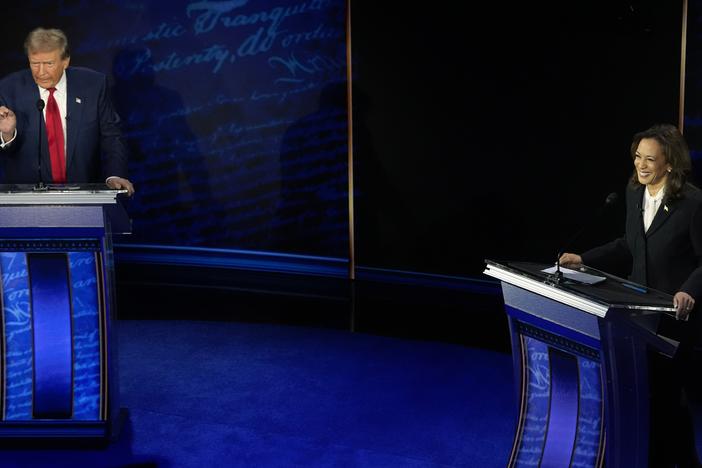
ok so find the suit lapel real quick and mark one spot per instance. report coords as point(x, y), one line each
point(662, 215)
point(74, 111)
point(637, 207)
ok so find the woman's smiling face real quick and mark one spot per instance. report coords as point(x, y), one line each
point(651, 165)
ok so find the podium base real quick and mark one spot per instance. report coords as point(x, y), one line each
point(62, 434)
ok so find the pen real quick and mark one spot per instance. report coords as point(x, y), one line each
point(634, 287)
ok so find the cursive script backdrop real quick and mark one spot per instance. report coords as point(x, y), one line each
point(234, 111)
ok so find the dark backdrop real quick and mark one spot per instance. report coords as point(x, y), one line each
point(693, 86)
point(497, 130)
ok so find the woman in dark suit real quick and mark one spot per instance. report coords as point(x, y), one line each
point(662, 246)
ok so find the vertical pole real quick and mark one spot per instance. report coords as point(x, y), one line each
point(349, 103)
point(683, 54)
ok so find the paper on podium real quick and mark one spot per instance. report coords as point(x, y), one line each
point(578, 276)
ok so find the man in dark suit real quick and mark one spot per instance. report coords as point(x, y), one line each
point(81, 140)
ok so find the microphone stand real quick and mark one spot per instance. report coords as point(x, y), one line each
point(40, 185)
point(558, 274)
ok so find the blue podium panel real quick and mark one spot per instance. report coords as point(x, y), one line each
point(51, 306)
point(561, 418)
point(52, 344)
point(17, 363)
point(85, 286)
point(589, 442)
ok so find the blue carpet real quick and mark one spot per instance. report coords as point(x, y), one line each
point(232, 394)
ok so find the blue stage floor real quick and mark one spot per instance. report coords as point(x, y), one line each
point(256, 395)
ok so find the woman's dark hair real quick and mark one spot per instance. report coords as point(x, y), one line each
point(676, 152)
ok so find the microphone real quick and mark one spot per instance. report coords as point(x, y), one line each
point(40, 184)
point(610, 200)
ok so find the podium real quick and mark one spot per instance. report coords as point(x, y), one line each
point(58, 367)
point(580, 354)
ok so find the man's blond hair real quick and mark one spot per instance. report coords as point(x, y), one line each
point(47, 40)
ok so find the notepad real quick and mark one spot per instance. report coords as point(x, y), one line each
point(578, 276)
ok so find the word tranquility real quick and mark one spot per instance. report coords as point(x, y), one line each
point(210, 14)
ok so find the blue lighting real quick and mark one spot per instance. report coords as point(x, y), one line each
point(51, 317)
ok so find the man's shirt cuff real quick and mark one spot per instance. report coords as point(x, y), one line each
point(4, 143)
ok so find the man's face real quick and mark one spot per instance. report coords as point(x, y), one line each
point(47, 67)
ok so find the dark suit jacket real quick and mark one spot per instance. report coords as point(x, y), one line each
point(668, 256)
point(95, 148)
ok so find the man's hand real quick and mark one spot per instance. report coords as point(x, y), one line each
point(8, 123)
point(683, 304)
point(119, 183)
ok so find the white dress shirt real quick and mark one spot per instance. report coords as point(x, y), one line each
point(651, 206)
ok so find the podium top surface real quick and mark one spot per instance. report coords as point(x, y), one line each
point(59, 194)
point(614, 292)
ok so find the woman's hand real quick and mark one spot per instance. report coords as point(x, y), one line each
point(570, 260)
point(683, 304)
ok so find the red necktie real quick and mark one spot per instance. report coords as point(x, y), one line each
point(54, 133)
